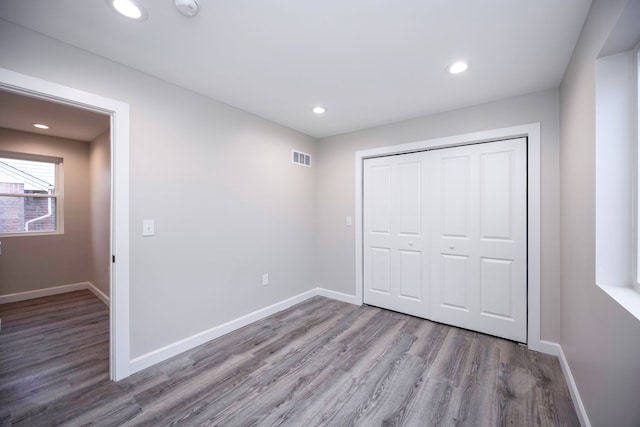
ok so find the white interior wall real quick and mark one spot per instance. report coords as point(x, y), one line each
point(335, 268)
point(600, 339)
point(228, 204)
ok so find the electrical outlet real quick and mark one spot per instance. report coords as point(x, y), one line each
point(265, 279)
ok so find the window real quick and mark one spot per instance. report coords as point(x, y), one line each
point(30, 196)
point(617, 164)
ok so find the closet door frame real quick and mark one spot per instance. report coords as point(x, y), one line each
point(532, 133)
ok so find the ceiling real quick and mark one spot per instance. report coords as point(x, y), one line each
point(20, 112)
point(369, 62)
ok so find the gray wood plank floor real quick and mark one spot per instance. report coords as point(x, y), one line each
point(319, 363)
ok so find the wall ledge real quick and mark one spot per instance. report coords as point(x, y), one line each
point(626, 297)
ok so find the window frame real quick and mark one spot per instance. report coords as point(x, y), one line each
point(58, 193)
point(617, 173)
point(636, 193)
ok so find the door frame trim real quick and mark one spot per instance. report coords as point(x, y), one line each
point(119, 113)
point(530, 131)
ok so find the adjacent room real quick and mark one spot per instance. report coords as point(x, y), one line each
point(337, 213)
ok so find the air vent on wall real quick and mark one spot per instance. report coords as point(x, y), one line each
point(300, 158)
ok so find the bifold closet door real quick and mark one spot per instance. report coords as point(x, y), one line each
point(478, 231)
point(395, 234)
point(445, 236)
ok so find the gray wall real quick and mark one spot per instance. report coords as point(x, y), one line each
point(336, 187)
point(228, 203)
point(100, 237)
point(30, 263)
point(600, 339)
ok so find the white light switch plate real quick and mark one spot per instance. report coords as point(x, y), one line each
point(349, 221)
point(148, 227)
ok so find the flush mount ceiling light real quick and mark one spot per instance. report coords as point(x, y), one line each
point(40, 126)
point(188, 8)
point(458, 67)
point(129, 8)
point(319, 109)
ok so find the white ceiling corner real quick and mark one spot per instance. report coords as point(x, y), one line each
point(371, 62)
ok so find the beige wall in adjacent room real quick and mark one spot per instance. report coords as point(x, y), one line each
point(336, 186)
point(100, 238)
point(600, 339)
point(30, 263)
point(228, 204)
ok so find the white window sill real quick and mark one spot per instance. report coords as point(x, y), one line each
point(31, 234)
point(627, 297)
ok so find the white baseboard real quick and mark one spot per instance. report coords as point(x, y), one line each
point(188, 343)
point(98, 293)
point(573, 389)
point(164, 353)
point(555, 349)
point(39, 293)
point(548, 347)
point(351, 299)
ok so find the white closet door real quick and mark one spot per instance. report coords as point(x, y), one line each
point(396, 233)
point(478, 247)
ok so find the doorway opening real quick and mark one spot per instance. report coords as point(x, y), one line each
point(118, 144)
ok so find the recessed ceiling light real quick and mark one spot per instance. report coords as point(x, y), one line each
point(458, 67)
point(40, 126)
point(129, 8)
point(319, 110)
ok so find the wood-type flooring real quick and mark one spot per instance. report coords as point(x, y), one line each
point(319, 363)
